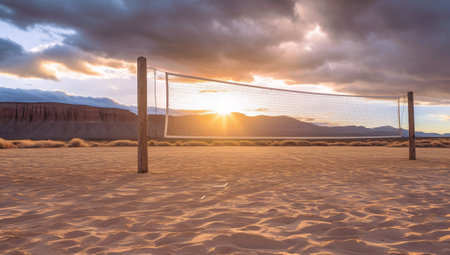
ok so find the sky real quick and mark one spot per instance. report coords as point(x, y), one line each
point(373, 47)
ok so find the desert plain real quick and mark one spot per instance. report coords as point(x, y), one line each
point(225, 200)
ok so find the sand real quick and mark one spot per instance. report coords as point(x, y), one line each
point(225, 200)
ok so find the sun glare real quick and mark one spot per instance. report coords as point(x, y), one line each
point(226, 105)
point(223, 111)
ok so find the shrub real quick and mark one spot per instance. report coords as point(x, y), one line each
point(359, 143)
point(339, 144)
point(246, 143)
point(397, 144)
point(230, 143)
point(5, 144)
point(320, 143)
point(162, 143)
point(217, 143)
point(288, 143)
point(261, 143)
point(122, 143)
point(378, 143)
point(77, 142)
point(49, 144)
point(303, 143)
point(195, 143)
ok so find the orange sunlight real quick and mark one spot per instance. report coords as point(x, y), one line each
point(226, 105)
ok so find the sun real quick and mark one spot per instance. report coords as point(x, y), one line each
point(225, 106)
point(223, 110)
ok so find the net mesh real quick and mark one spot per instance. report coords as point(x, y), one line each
point(203, 108)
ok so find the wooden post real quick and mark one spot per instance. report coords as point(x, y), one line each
point(142, 115)
point(412, 131)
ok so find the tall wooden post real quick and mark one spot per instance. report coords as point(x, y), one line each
point(412, 131)
point(142, 114)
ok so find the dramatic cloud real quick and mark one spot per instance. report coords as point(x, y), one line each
point(15, 60)
point(364, 47)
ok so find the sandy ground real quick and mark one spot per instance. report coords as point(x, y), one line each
point(225, 200)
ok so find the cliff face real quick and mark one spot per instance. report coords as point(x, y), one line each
point(29, 112)
point(64, 121)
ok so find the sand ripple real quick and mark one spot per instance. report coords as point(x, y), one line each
point(225, 200)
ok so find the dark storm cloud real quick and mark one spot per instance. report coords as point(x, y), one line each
point(367, 47)
point(400, 45)
point(14, 59)
point(206, 36)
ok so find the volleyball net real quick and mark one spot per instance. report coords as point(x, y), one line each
point(200, 108)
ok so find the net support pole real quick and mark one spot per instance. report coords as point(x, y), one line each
point(412, 132)
point(142, 114)
point(166, 121)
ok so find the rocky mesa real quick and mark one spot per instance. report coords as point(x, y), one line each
point(64, 121)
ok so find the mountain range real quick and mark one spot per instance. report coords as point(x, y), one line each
point(37, 114)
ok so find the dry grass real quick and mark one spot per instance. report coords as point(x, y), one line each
point(339, 144)
point(286, 143)
point(246, 143)
point(48, 144)
point(378, 143)
point(194, 143)
point(122, 143)
point(398, 144)
point(439, 144)
point(230, 143)
point(5, 144)
point(446, 142)
point(261, 143)
point(160, 143)
point(216, 143)
point(99, 144)
point(359, 143)
point(320, 143)
point(77, 142)
point(303, 143)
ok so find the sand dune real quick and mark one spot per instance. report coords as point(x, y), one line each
point(225, 200)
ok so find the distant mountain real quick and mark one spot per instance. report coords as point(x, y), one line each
point(405, 132)
point(42, 96)
point(240, 125)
